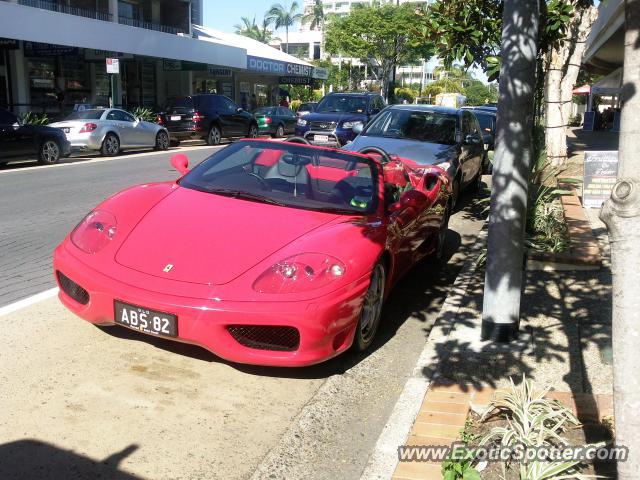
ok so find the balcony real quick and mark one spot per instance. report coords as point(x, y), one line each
point(149, 26)
point(171, 12)
point(61, 8)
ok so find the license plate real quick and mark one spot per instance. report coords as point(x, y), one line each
point(176, 117)
point(321, 138)
point(146, 320)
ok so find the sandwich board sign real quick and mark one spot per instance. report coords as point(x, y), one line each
point(113, 65)
point(600, 174)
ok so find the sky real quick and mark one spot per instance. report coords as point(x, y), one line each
point(224, 14)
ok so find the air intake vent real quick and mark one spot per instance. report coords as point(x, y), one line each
point(262, 337)
point(72, 289)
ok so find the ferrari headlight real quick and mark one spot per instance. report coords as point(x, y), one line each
point(95, 231)
point(351, 124)
point(300, 273)
point(302, 122)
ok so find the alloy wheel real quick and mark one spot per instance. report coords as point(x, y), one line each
point(50, 152)
point(280, 131)
point(372, 308)
point(214, 136)
point(253, 131)
point(112, 144)
point(162, 141)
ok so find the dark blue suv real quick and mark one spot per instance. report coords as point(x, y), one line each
point(332, 122)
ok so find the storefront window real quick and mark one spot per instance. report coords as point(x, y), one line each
point(262, 94)
point(42, 86)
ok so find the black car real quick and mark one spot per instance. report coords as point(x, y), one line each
point(209, 117)
point(428, 135)
point(487, 121)
point(332, 122)
point(19, 141)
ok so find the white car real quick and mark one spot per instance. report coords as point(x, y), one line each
point(111, 130)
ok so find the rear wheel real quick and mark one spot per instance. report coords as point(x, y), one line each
point(253, 131)
point(110, 145)
point(49, 152)
point(214, 136)
point(441, 241)
point(162, 141)
point(371, 309)
point(279, 131)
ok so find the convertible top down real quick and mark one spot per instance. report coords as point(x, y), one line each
point(271, 253)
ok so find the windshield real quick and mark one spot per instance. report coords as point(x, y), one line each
point(306, 107)
point(343, 103)
point(424, 126)
point(86, 115)
point(295, 176)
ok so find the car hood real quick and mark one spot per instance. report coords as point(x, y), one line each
point(422, 153)
point(335, 117)
point(211, 239)
point(41, 129)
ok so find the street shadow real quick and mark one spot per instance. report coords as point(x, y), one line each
point(35, 460)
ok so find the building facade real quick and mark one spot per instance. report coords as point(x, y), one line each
point(53, 55)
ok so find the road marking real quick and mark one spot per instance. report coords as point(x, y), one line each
point(107, 159)
point(25, 302)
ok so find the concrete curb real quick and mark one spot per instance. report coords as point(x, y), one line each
point(384, 459)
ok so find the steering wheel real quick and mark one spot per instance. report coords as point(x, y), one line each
point(301, 140)
point(265, 185)
point(385, 156)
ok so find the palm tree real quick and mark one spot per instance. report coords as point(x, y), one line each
point(249, 28)
point(284, 17)
point(316, 17)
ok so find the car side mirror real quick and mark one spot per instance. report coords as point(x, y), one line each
point(357, 128)
point(180, 162)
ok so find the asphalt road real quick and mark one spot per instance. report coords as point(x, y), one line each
point(40, 205)
point(84, 402)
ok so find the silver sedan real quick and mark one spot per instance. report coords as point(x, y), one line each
point(111, 130)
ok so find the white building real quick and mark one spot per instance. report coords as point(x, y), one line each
point(53, 55)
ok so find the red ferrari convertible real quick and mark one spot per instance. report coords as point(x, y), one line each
point(265, 253)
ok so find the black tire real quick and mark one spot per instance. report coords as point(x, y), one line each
point(174, 142)
point(110, 145)
point(253, 131)
point(441, 240)
point(455, 192)
point(486, 164)
point(479, 185)
point(214, 136)
point(371, 312)
point(50, 152)
point(162, 140)
point(279, 131)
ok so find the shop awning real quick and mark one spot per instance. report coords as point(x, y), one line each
point(583, 90)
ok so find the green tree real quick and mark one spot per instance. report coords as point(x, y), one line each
point(284, 16)
point(249, 28)
point(316, 17)
point(478, 93)
point(379, 36)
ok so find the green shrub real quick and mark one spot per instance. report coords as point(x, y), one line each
point(144, 114)
point(31, 118)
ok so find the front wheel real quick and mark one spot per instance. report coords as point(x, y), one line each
point(279, 131)
point(371, 310)
point(162, 141)
point(110, 145)
point(49, 152)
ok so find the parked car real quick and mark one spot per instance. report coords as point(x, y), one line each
point(275, 121)
point(332, 122)
point(487, 121)
point(301, 282)
point(110, 131)
point(20, 142)
point(306, 108)
point(210, 117)
point(429, 135)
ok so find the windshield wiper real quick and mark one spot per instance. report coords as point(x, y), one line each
point(245, 195)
